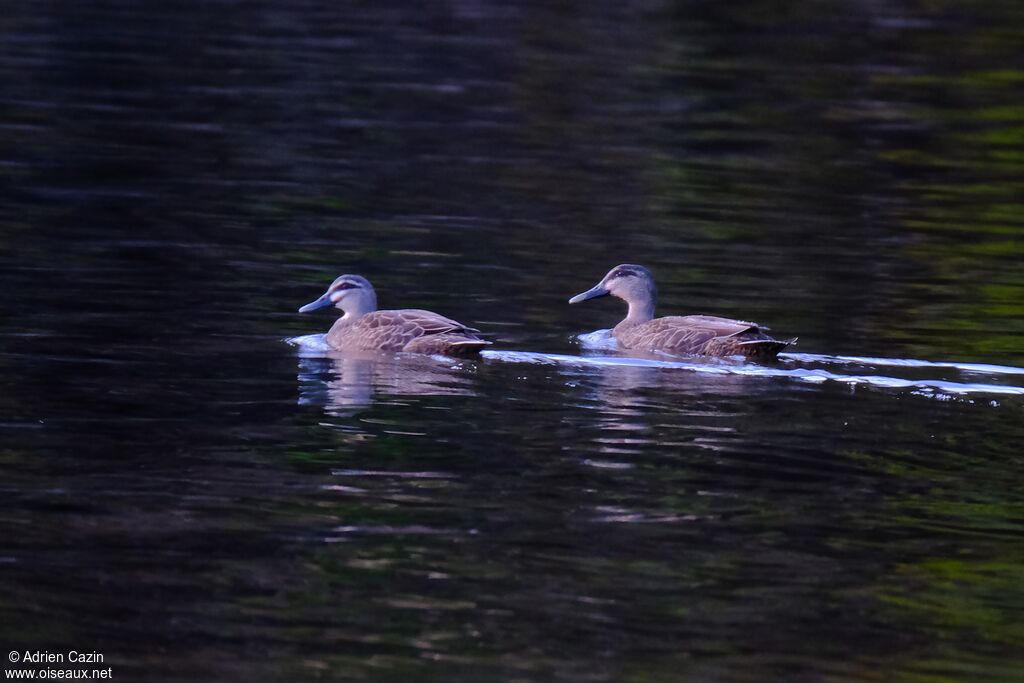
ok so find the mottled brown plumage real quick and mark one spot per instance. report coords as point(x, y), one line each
point(363, 328)
point(692, 334)
point(698, 334)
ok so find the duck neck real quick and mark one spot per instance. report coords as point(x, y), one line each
point(640, 311)
point(357, 307)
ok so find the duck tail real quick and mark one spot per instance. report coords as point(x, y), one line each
point(451, 344)
point(764, 348)
point(466, 347)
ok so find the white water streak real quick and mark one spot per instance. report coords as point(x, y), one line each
point(815, 376)
point(313, 345)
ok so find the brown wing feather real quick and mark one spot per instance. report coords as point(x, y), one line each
point(723, 327)
point(428, 322)
point(393, 330)
point(691, 334)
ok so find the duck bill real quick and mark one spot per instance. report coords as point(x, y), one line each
point(322, 302)
point(592, 293)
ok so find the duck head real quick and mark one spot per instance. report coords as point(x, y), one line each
point(353, 294)
point(633, 284)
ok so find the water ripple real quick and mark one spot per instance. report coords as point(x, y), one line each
point(979, 368)
point(931, 387)
point(313, 345)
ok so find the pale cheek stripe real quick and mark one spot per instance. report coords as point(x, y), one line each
point(336, 295)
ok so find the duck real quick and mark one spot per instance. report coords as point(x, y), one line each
point(702, 335)
point(364, 328)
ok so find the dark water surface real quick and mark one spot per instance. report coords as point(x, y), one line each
point(195, 498)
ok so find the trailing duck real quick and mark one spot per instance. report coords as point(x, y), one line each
point(691, 334)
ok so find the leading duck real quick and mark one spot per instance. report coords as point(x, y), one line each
point(692, 334)
point(364, 328)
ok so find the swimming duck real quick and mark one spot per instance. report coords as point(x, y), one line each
point(364, 328)
point(692, 334)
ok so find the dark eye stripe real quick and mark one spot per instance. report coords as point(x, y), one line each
point(345, 285)
point(623, 273)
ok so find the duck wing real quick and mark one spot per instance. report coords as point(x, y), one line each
point(430, 322)
point(394, 330)
point(725, 327)
point(688, 334)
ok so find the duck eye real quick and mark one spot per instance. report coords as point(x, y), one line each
point(345, 285)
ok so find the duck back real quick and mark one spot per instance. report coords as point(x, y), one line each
point(409, 329)
point(700, 334)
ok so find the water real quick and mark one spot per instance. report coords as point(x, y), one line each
point(194, 497)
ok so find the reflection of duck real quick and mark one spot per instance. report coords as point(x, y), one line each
point(364, 328)
point(694, 334)
point(346, 384)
